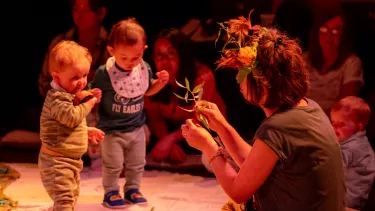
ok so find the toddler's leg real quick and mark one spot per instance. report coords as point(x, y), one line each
point(135, 159)
point(113, 161)
point(58, 176)
point(77, 177)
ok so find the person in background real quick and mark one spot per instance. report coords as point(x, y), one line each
point(172, 53)
point(335, 70)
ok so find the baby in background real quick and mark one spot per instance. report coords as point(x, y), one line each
point(124, 80)
point(63, 130)
point(349, 118)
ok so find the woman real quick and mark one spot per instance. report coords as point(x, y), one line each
point(335, 71)
point(172, 53)
point(88, 31)
point(295, 161)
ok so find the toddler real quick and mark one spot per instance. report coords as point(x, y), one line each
point(63, 130)
point(349, 118)
point(124, 80)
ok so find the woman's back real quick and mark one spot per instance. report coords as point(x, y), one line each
point(310, 173)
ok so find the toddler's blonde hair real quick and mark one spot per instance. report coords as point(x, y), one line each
point(65, 54)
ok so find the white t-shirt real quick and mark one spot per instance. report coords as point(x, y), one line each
point(325, 88)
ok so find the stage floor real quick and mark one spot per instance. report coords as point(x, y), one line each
point(164, 190)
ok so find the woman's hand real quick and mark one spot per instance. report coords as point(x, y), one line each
point(95, 135)
point(215, 118)
point(197, 136)
point(162, 148)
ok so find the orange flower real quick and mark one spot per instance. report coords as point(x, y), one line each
point(239, 26)
point(246, 56)
point(229, 59)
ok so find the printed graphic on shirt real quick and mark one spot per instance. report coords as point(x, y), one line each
point(125, 105)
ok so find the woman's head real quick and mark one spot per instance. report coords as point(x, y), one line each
point(172, 53)
point(281, 77)
point(328, 36)
point(88, 13)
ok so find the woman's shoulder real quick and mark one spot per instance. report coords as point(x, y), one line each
point(353, 59)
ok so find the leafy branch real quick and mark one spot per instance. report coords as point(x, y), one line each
point(197, 93)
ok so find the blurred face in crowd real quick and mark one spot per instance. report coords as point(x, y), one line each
point(166, 58)
point(330, 34)
point(84, 18)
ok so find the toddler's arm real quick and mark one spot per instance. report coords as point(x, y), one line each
point(63, 110)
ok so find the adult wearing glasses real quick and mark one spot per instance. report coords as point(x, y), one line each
point(335, 71)
point(172, 52)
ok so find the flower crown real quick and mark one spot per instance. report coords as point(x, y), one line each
point(242, 39)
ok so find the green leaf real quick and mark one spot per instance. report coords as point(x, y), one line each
point(182, 98)
point(222, 25)
point(218, 37)
point(198, 88)
point(180, 85)
point(187, 84)
point(186, 109)
point(227, 42)
point(186, 96)
point(200, 94)
point(242, 73)
point(204, 121)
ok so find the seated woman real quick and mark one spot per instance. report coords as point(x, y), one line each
point(88, 31)
point(295, 162)
point(335, 71)
point(171, 52)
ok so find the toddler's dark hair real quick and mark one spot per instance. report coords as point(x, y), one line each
point(126, 32)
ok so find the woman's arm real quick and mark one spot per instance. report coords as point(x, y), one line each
point(234, 144)
point(352, 78)
point(253, 172)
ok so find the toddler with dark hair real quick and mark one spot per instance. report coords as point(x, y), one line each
point(124, 80)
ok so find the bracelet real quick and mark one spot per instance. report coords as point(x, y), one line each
point(220, 152)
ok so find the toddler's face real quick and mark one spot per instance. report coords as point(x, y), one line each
point(128, 56)
point(343, 125)
point(74, 78)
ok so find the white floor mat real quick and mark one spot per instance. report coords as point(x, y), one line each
point(165, 191)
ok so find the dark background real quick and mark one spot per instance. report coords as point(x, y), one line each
point(48, 18)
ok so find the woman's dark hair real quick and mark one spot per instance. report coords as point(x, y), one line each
point(282, 70)
point(95, 5)
point(187, 67)
point(324, 13)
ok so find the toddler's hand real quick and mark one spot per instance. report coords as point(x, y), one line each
point(163, 77)
point(92, 102)
point(96, 93)
point(95, 135)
